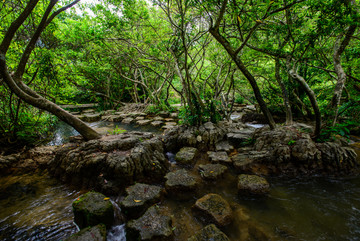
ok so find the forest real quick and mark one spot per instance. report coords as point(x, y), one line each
point(179, 120)
point(295, 59)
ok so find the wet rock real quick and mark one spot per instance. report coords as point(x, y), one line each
point(128, 120)
point(212, 171)
point(91, 117)
point(156, 123)
point(96, 233)
point(143, 122)
point(245, 161)
point(179, 183)
point(153, 225)
point(186, 155)
point(215, 209)
point(91, 209)
point(219, 156)
point(140, 197)
point(253, 184)
point(210, 232)
point(224, 146)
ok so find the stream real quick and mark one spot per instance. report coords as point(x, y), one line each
point(38, 207)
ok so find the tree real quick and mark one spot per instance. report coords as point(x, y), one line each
point(14, 80)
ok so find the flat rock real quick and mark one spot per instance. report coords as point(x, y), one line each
point(91, 209)
point(88, 111)
point(115, 118)
point(253, 184)
point(170, 123)
point(179, 180)
point(156, 123)
point(96, 233)
point(158, 118)
point(153, 225)
point(143, 122)
point(140, 197)
point(140, 118)
point(128, 120)
point(209, 233)
point(215, 209)
point(219, 156)
point(90, 117)
point(242, 161)
point(174, 115)
point(224, 146)
point(186, 155)
point(212, 171)
point(164, 114)
point(240, 137)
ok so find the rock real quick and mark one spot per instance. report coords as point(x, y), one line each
point(212, 171)
point(143, 122)
point(179, 183)
point(156, 123)
point(171, 120)
point(115, 118)
point(91, 209)
point(153, 225)
point(164, 114)
point(186, 155)
point(210, 232)
point(209, 126)
point(224, 146)
point(90, 117)
point(170, 123)
point(174, 115)
point(245, 161)
point(254, 117)
point(158, 118)
point(240, 137)
point(109, 112)
point(253, 184)
point(88, 111)
point(215, 209)
point(220, 156)
point(140, 197)
point(128, 120)
point(167, 127)
point(96, 233)
point(140, 118)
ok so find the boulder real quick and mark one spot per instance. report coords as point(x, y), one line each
point(241, 137)
point(90, 117)
point(214, 209)
point(252, 184)
point(91, 209)
point(153, 225)
point(224, 146)
point(143, 122)
point(179, 183)
point(96, 233)
point(140, 197)
point(186, 155)
point(127, 120)
point(210, 232)
point(212, 171)
point(219, 156)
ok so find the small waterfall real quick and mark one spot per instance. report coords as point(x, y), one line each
point(117, 231)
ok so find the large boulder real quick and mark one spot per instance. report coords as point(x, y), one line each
point(210, 232)
point(212, 171)
point(111, 163)
point(96, 233)
point(180, 184)
point(186, 155)
point(214, 209)
point(140, 197)
point(91, 209)
point(253, 184)
point(153, 225)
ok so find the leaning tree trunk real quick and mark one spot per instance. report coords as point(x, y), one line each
point(14, 81)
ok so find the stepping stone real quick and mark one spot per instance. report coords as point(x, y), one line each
point(224, 146)
point(91, 117)
point(89, 111)
point(156, 123)
point(115, 118)
point(143, 122)
point(153, 225)
point(210, 232)
point(214, 209)
point(158, 118)
point(212, 171)
point(246, 160)
point(91, 209)
point(174, 115)
point(109, 112)
point(186, 155)
point(253, 184)
point(140, 197)
point(140, 118)
point(169, 120)
point(171, 123)
point(96, 233)
point(166, 127)
point(240, 137)
point(127, 120)
point(220, 156)
point(179, 182)
point(164, 114)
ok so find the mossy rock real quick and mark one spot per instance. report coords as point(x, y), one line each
point(253, 184)
point(96, 233)
point(91, 209)
point(210, 232)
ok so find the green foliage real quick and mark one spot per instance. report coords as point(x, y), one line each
point(329, 133)
point(116, 131)
point(291, 142)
